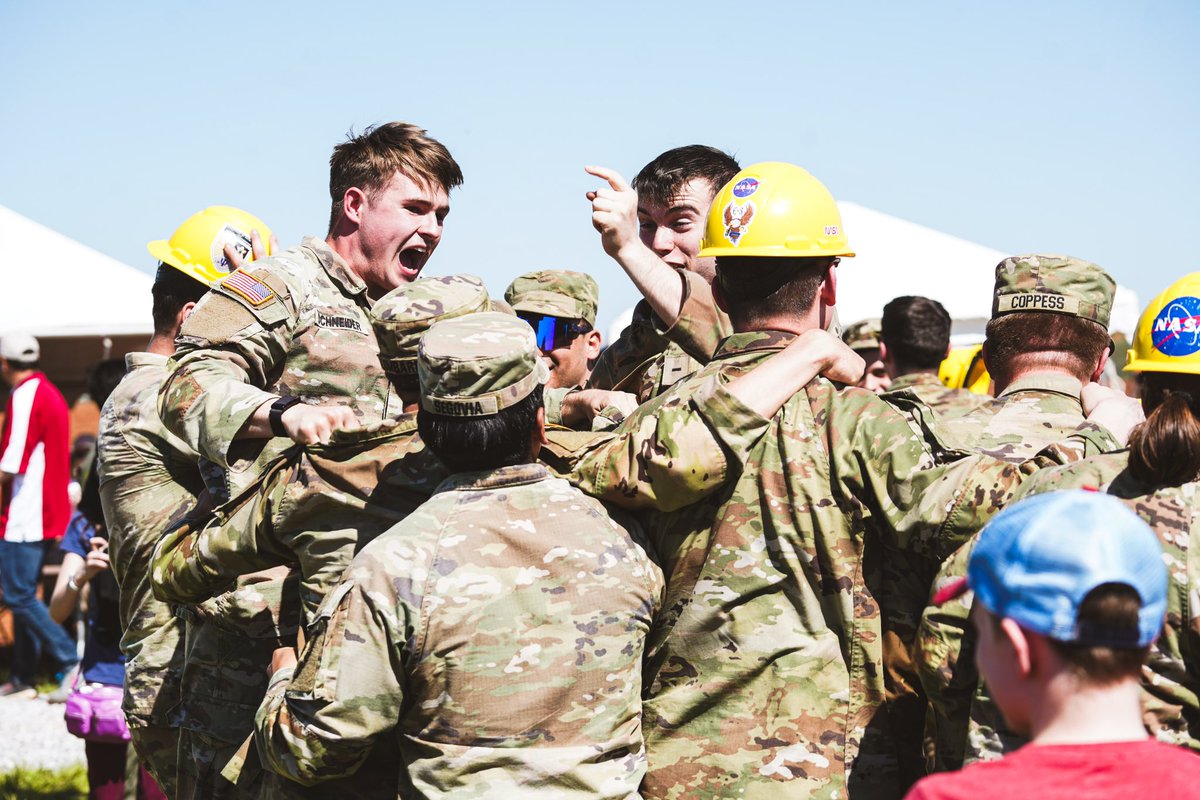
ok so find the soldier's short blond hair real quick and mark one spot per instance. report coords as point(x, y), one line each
point(369, 160)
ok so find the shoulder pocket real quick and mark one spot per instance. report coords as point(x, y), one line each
point(260, 293)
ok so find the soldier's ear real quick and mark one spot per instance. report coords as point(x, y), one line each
point(353, 202)
point(829, 286)
point(719, 296)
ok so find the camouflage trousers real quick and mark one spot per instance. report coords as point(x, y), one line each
point(157, 748)
point(201, 759)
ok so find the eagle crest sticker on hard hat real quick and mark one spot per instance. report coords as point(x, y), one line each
point(238, 241)
point(1176, 330)
point(745, 187)
point(737, 219)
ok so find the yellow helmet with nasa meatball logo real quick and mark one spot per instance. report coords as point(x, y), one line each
point(774, 209)
point(197, 247)
point(1167, 338)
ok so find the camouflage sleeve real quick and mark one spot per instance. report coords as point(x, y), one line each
point(947, 669)
point(204, 554)
point(668, 455)
point(227, 354)
point(319, 722)
point(552, 399)
point(700, 326)
point(624, 362)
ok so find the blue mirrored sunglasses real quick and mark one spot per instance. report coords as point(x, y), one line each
point(553, 332)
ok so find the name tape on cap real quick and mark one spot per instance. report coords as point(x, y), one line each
point(1037, 301)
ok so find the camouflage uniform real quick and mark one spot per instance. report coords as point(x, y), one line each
point(496, 634)
point(1171, 675)
point(1031, 412)
point(292, 324)
point(764, 673)
point(650, 356)
point(148, 476)
point(928, 391)
point(317, 506)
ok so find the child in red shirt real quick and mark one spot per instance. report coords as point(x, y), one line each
point(1070, 592)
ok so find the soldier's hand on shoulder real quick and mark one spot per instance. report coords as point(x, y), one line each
point(1113, 409)
point(307, 424)
point(835, 360)
point(581, 407)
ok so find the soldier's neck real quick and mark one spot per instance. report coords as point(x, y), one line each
point(161, 345)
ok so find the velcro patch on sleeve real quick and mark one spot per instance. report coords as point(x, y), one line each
point(248, 287)
point(258, 294)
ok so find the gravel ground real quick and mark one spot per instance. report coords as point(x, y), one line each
point(34, 735)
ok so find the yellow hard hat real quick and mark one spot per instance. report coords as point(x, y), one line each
point(963, 368)
point(1167, 338)
point(774, 209)
point(198, 245)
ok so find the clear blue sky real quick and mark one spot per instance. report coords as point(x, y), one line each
point(1025, 126)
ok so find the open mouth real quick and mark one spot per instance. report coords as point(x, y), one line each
point(412, 260)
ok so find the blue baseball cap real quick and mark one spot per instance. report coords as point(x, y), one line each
point(1036, 561)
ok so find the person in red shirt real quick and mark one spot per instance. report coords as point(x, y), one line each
point(1070, 591)
point(34, 508)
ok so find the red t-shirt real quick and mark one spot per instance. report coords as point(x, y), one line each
point(1093, 771)
point(34, 449)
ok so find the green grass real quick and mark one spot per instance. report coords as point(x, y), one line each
point(44, 784)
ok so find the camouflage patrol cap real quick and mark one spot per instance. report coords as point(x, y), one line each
point(403, 315)
point(862, 335)
point(479, 364)
point(1060, 284)
point(557, 292)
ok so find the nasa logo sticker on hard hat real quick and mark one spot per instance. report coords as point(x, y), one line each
point(238, 240)
point(1176, 330)
point(745, 187)
point(737, 220)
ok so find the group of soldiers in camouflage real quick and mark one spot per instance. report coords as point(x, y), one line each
point(381, 535)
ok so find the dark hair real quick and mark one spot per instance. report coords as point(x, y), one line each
point(757, 288)
point(1031, 339)
point(104, 377)
point(471, 444)
point(916, 331)
point(659, 181)
point(172, 290)
point(21, 366)
point(1110, 607)
point(369, 160)
point(1165, 449)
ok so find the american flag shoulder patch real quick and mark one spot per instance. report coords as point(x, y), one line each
point(252, 289)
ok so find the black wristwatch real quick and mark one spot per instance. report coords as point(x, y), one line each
point(275, 415)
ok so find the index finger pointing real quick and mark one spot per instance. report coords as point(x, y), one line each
point(611, 175)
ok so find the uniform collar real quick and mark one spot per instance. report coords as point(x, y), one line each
point(916, 379)
point(346, 278)
point(135, 360)
point(1055, 382)
point(494, 478)
point(752, 341)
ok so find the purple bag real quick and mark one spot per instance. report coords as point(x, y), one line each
point(94, 713)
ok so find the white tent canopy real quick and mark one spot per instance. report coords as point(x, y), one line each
point(896, 257)
point(54, 286)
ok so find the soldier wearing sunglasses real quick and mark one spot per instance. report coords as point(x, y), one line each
point(560, 306)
